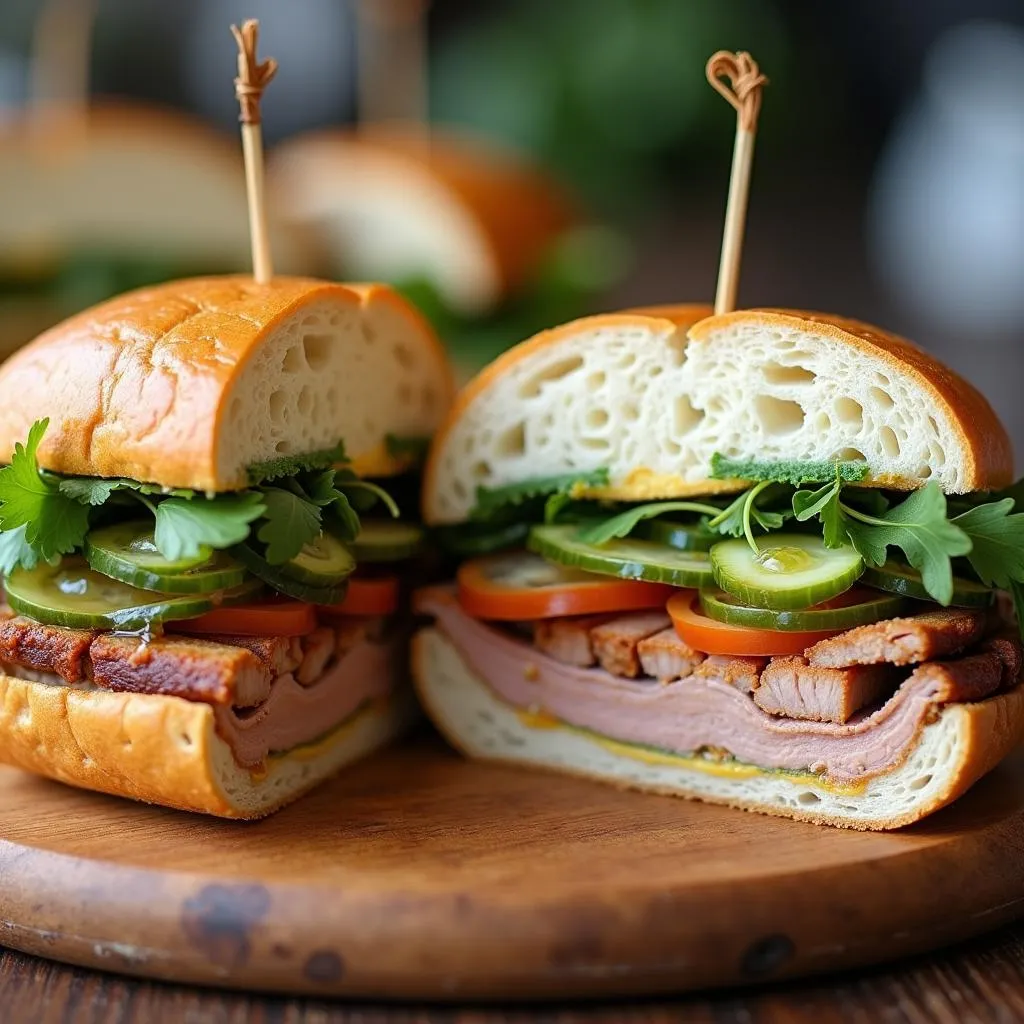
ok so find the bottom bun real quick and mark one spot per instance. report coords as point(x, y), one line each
point(165, 750)
point(962, 744)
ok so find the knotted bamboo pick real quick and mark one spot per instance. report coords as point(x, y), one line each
point(253, 78)
point(737, 77)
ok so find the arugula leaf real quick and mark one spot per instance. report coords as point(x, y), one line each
point(291, 465)
point(826, 505)
point(290, 523)
point(94, 490)
point(376, 490)
point(737, 518)
point(55, 523)
point(16, 551)
point(997, 543)
point(410, 447)
point(344, 518)
point(184, 527)
point(786, 472)
point(918, 526)
point(624, 523)
point(493, 501)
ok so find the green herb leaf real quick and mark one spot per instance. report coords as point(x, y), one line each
point(825, 504)
point(737, 518)
point(919, 527)
point(624, 523)
point(375, 489)
point(290, 523)
point(94, 490)
point(16, 551)
point(343, 519)
point(291, 465)
point(786, 472)
point(55, 523)
point(493, 501)
point(997, 542)
point(183, 527)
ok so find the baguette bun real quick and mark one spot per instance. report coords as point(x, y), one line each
point(165, 750)
point(395, 205)
point(637, 394)
point(122, 178)
point(963, 743)
point(187, 384)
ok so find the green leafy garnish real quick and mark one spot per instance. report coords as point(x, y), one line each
point(738, 518)
point(290, 521)
point(787, 471)
point(624, 523)
point(492, 502)
point(55, 523)
point(16, 551)
point(997, 543)
point(184, 527)
point(292, 465)
point(824, 503)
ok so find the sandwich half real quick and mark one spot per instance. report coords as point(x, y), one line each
point(770, 559)
point(203, 570)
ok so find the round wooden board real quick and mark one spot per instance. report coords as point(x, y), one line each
point(419, 875)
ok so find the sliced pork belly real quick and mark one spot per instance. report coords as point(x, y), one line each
point(665, 657)
point(795, 689)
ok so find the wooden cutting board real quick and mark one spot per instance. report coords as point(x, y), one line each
point(419, 875)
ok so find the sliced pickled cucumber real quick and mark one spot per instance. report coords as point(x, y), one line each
point(902, 579)
point(126, 552)
point(323, 562)
point(278, 579)
point(71, 594)
point(684, 536)
point(791, 570)
point(856, 607)
point(382, 540)
point(626, 559)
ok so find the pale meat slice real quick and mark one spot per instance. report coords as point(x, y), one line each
point(903, 641)
point(568, 639)
point(615, 642)
point(793, 688)
point(666, 657)
point(740, 672)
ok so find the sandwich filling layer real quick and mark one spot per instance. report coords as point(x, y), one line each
point(710, 707)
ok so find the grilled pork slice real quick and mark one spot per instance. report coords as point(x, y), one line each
point(795, 689)
point(903, 641)
point(666, 657)
point(568, 639)
point(615, 642)
point(741, 673)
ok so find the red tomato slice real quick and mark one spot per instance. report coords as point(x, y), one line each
point(520, 586)
point(376, 595)
point(713, 637)
point(275, 616)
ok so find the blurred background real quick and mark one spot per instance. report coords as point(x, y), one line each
point(888, 178)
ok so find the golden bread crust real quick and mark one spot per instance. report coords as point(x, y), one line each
point(138, 386)
point(987, 445)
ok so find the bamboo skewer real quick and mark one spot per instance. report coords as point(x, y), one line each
point(253, 78)
point(743, 91)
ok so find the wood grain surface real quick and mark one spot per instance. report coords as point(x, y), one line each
point(419, 875)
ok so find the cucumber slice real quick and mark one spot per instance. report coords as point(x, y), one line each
point(627, 559)
point(126, 552)
point(383, 540)
point(792, 570)
point(324, 562)
point(856, 607)
point(683, 536)
point(71, 594)
point(276, 578)
point(902, 579)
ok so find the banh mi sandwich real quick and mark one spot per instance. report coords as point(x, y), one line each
point(771, 561)
point(202, 574)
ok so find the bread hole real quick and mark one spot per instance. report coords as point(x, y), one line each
point(598, 444)
point(850, 455)
point(305, 401)
point(776, 373)
point(294, 360)
point(530, 388)
point(630, 412)
point(850, 412)
point(890, 442)
point(881, 398)
point(481, 470)
point(369, 335)
point(807, 797)
point(627, 361)
point(822, 421)
point(684, 416)
point(934, 424)
point(777, 415)
point(185, 739)
point(920, 782)
point(310, 321)
point(283, 447)
point(937, 454)
point(596, 380)
point(460, 489)
point(924, 471)
point(317, 349)
point(512, 441)
point(403, 356)
point(655, 370)
point(276, 405)
point(597, 418)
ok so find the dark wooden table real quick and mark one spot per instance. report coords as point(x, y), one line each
point(981, 982)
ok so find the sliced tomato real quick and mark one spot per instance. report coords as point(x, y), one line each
point(274, 616)
point(712, 637)
point(521, 586)
point(373, 595)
